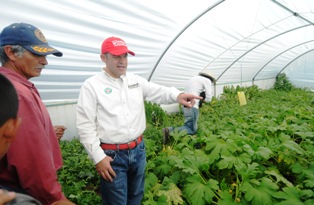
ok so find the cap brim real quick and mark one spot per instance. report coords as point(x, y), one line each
point(43, 50)
point(212, 79)
point(208, 76)
point(119, 52)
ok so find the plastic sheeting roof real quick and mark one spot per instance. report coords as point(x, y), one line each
point(237, 40)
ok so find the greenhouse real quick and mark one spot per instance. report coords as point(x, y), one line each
point(258, 153)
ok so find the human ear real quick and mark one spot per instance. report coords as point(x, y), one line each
point(10, 128)
point(103, 57)
point(10, 53)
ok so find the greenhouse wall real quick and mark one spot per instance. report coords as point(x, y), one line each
point(63, 113)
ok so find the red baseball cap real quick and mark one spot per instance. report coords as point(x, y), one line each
point(115, 46)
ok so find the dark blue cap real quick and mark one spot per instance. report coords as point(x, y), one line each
point(28, 36)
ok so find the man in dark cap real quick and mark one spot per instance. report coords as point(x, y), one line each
point(30, 165)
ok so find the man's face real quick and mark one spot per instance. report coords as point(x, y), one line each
point(30, 65)
point(115, 65)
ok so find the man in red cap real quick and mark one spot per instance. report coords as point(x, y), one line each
point(30, 165)
point(111, 121)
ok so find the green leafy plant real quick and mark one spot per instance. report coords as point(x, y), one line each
point(249, 154)
point(261, 153)
point(282, 83)
point(155, 115)
point(78, 176)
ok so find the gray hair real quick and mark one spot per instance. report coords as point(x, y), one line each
point(17, 49)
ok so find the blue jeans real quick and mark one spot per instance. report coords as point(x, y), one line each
point(127, 187)
point(190, 121)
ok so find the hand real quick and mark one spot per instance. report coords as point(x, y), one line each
point(105, 170)
point(59, 130)
point(6, 196)
point(187, 99)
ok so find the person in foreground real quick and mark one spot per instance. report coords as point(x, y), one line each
point(200, 85)
point(6, 197)
point(111, 120)
point(9, 122)
point(30, 165)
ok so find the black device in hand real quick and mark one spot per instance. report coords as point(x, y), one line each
point(203, 95)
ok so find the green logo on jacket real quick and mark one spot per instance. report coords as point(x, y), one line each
point(108, 90)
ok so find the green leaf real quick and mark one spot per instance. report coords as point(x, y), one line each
point(291, 195)
point(264, 152)
point(226, 162)
point(279, 177)
point(198, 159)
point(290, 144)
point(149, 199)
point(150, 180)
point(249, 171)
point(309, 183)
point(173, 195)
point(226, 198)
point(297, 168)
point(261, 193)
point(309, 202)
point(307, 193)
point(183, 164)
point(164, 169)
point(305, 135)
point(248, 149)
point(309, 173)
point(199, 193)
point(220, 147)
point(231, 161)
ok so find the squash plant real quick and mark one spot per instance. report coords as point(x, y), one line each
point(260, 153)
point(78, 176)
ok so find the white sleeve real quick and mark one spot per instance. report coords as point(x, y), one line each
point(208, 90)
point(86, 122)
point(157, 93)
